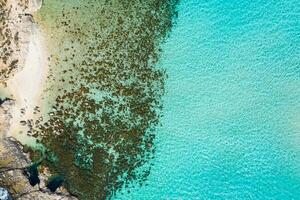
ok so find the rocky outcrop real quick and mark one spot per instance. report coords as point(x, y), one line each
point(4, 100)
point(13, 162)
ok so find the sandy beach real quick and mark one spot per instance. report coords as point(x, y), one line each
point(25, 85)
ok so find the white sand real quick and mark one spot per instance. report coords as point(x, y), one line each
point(27, 86)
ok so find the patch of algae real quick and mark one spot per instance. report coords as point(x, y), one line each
point(104, 92)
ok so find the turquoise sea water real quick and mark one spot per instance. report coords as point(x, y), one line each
point(231, 125)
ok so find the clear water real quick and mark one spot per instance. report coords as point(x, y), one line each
point(231, 125)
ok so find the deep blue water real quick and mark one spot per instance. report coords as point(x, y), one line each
point(231, 125)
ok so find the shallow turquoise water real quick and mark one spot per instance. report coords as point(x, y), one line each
point(231, 125)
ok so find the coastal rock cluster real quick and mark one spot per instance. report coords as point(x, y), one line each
point(13, 161)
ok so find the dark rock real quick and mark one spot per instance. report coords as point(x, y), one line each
point(4, 100)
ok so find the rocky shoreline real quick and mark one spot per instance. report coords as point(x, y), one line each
point(13, 162)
